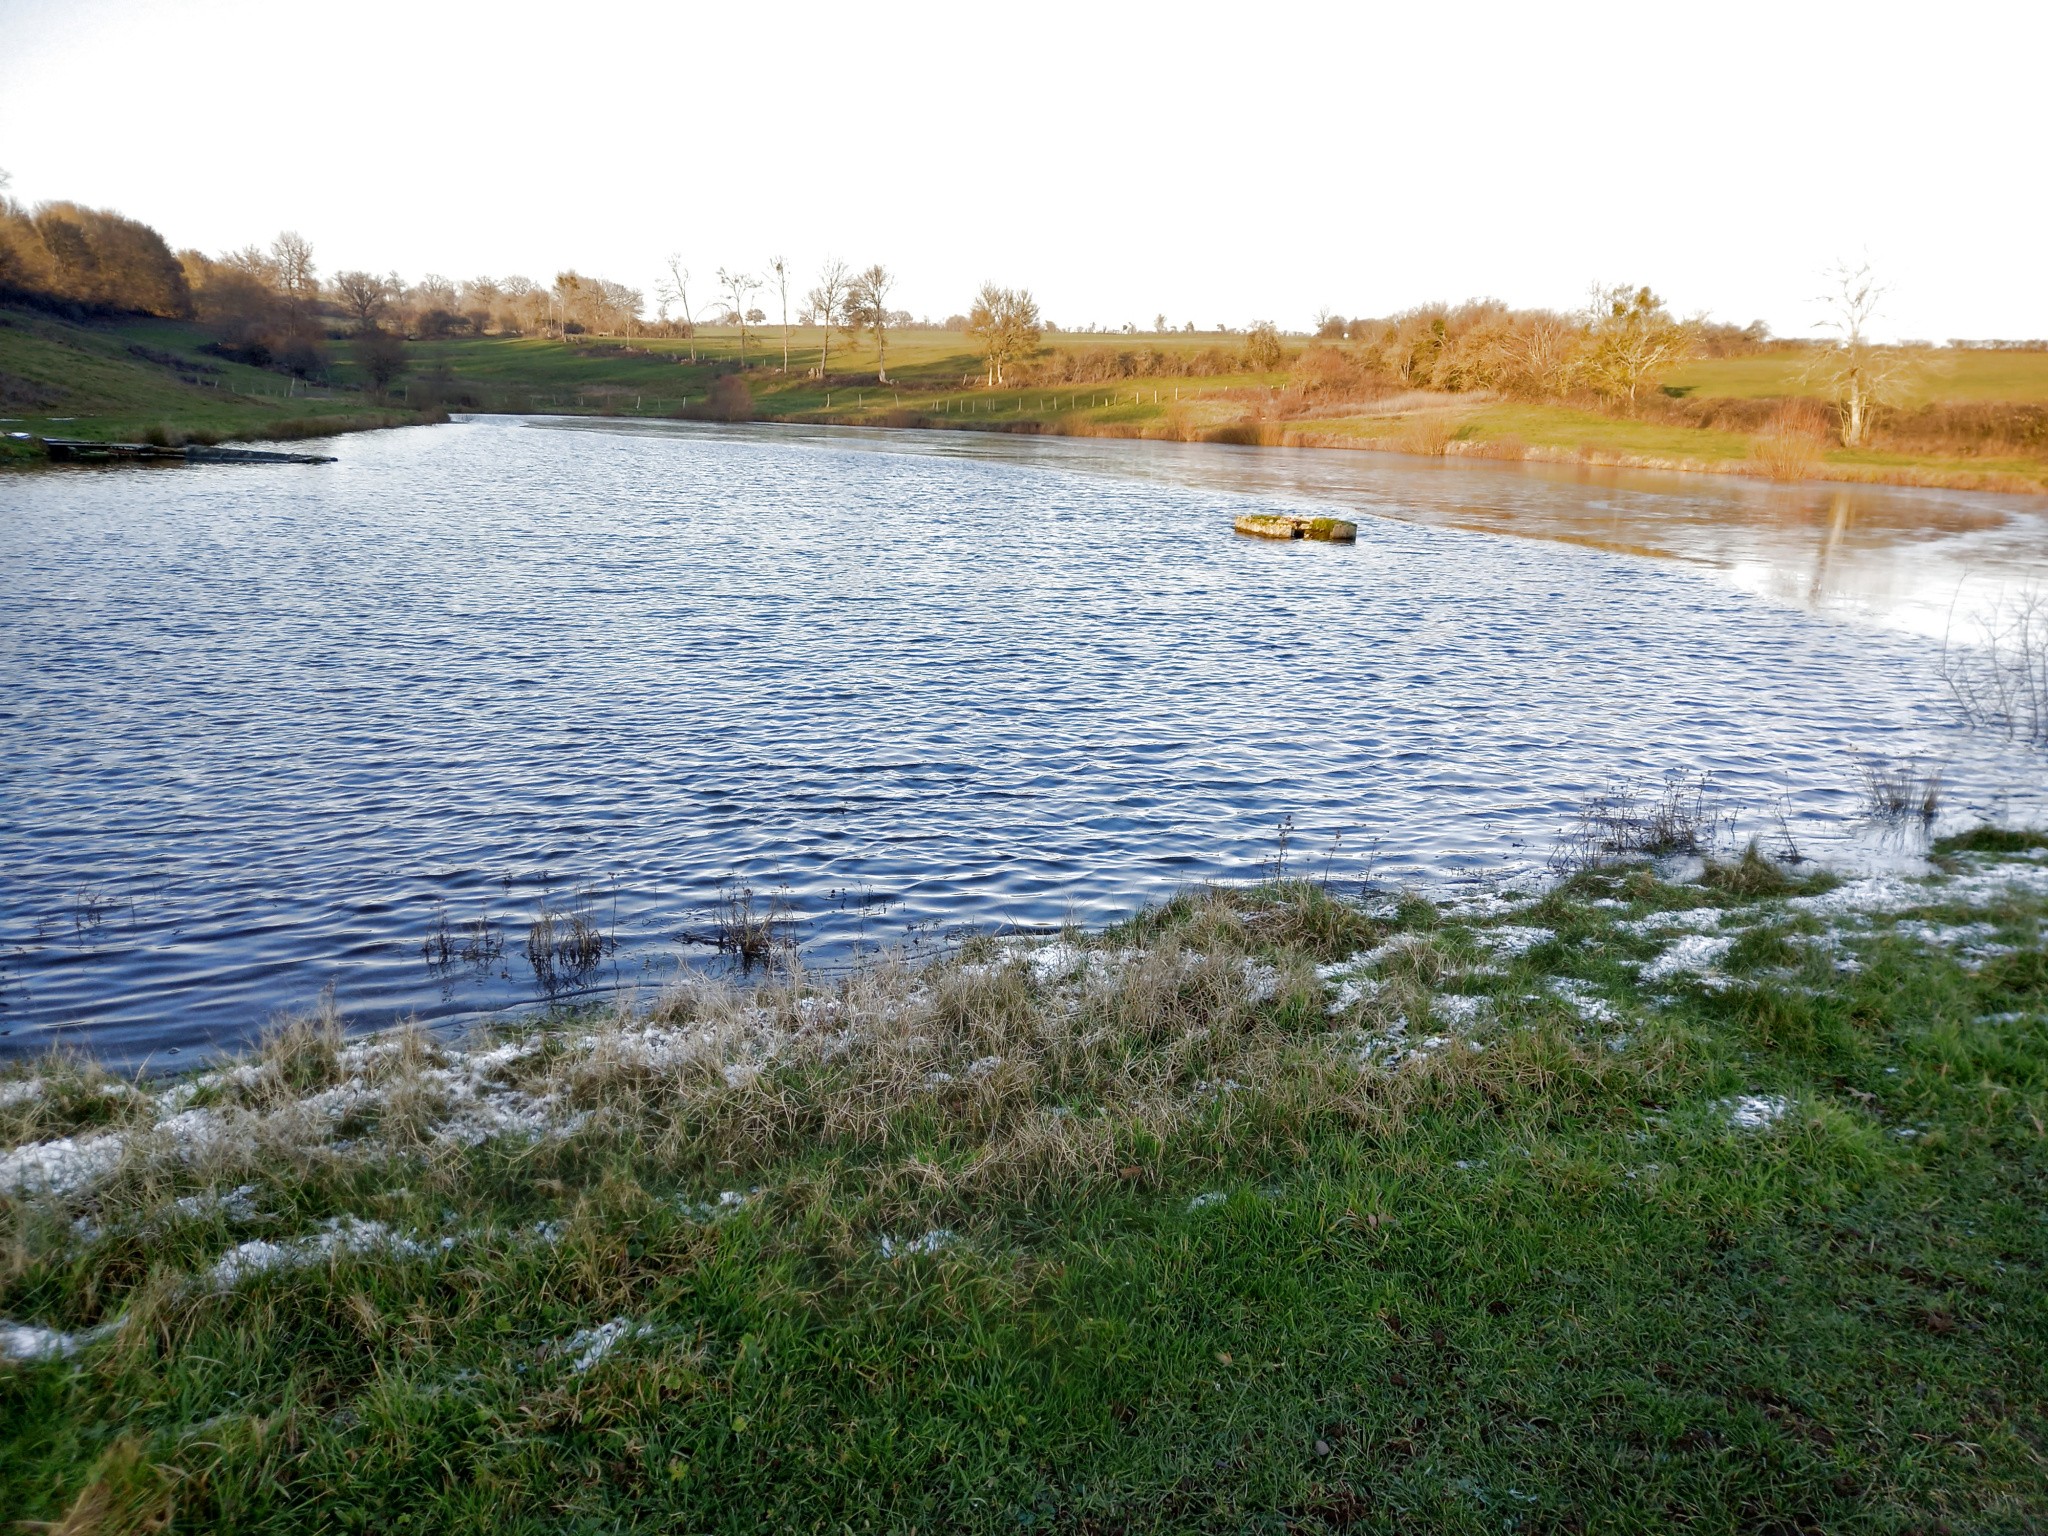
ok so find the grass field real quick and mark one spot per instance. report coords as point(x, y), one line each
point(120, 380)
point(1636, 1206)
point(124, 379)
point(936, 381)
point(1944, 375)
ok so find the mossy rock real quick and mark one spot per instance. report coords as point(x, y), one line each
point(1330, 530)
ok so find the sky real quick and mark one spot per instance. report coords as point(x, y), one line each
point(1214, 164)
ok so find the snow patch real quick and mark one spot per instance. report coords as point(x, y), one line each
point(934, 1241)
point(1582, 1000)
point(337, 1236)
point(1509, 940)
point(591, 1345)
point(1457, 1008)
point(28, 1341)
point(1696, 919)
point(1694, 955)
point(1755, 1111)
point(60, 1167)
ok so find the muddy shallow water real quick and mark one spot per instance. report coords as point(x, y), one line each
point(268, 730)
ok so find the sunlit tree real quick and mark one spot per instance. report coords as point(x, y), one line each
point(677, 291)
point(1858, 373)
point(826, 300)
point(739, 287)
point(1630, 340)
point(1005, 321)
point(867, 310)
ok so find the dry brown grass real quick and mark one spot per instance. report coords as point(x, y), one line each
point(1793, 443)
point(1430, 436)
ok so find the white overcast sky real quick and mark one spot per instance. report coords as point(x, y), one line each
point(1218, 164)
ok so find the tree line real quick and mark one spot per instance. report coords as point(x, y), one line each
point(270, 306)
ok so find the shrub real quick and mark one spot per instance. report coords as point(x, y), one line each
point(729, 400)
point(1791, 445)
point(1262, 350)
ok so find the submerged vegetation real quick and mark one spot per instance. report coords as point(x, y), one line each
point(1620, 1205)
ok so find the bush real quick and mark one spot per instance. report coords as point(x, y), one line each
point(1262, 350)
point(729, 400)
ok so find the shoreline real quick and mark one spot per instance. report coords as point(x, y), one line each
point(1376, 1177)
point(1276, 435)
point(27, 451)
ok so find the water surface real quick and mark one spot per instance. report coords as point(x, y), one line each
point(269, 730)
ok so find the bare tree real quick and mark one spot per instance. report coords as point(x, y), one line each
point(1631, 338)
point(780, 267)
point(381, 356)
point(867, 309)
point(827, 299)
point(1006, 322)
point(1540, 352)
point(738, 286)
point(1858, 374)
point(291, 254)
point(364, 295)
point(481, 300)
point(677, 291)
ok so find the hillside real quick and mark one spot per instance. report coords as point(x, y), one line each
point(131, 378)
point(1968, 419)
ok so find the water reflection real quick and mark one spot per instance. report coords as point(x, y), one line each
point(1902, 557)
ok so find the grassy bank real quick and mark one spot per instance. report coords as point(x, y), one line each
point(938, 381)
point(136, 379)
point(1629, 1206)
point(139, 378)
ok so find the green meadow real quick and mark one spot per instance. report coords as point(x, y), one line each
point(1637, 1205)
point(134, 378)
point(130, 379)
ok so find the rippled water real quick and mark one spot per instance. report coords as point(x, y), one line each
point(268, 730)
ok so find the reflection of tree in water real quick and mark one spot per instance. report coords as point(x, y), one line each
point(1840, 515)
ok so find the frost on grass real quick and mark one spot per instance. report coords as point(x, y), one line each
point(28, 1342)
point(590, 1345)
point(1755, 1111)
point(934, 1241)
point(1695, 955)
point(60, 1167)
point(1582, 1000)
point(1388, 1046)
point(1509, 940)
point(25, 1090)
point(342, 1235)
point(1883, 894)
point(1457, 1008)
point(1694, 919)
point(1485, 904)
point(1974, 943)
point(236, 1205)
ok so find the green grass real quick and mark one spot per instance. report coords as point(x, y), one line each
point(1945, 375)
point(1219, 1261)
point(118, 380)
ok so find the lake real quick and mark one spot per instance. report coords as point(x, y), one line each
point(271, 730)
